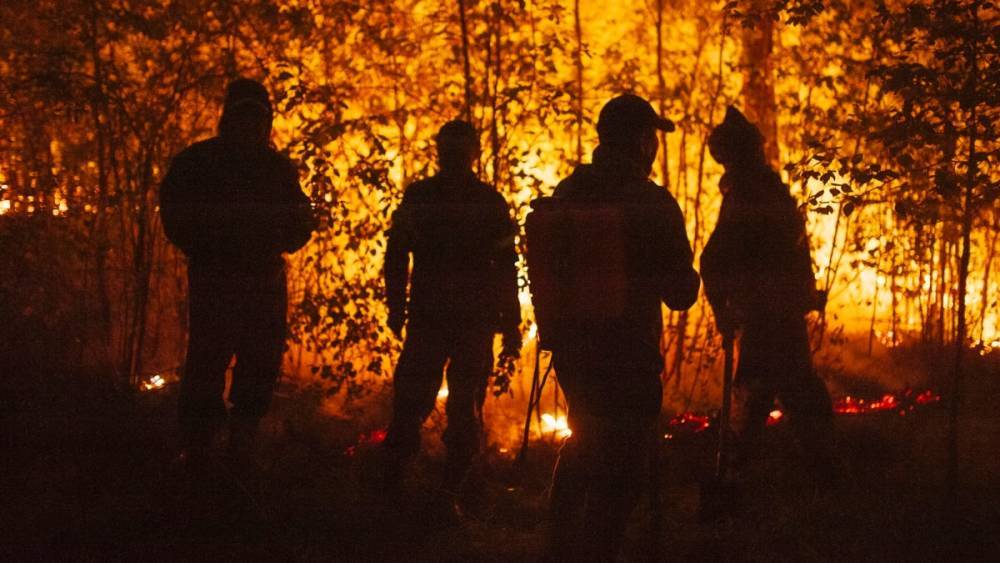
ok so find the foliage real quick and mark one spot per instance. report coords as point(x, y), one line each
point(871, 99)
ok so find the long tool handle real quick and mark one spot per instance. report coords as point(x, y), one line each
point(727, 393)
point(533, 399)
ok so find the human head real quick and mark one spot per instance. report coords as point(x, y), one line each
point(457, 145)
point(246, 113)
point(736, 141)
point(628, 124)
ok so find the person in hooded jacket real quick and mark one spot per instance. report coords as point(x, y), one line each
point(232, 204)
point(460, 292)
point(609, 368)
point(760, 283)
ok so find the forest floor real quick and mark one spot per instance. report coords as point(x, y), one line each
point(88, 474)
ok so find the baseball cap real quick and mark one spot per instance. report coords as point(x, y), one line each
point(247, 91)
point(627, 114)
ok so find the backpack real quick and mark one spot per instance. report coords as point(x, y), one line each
point(577, 265)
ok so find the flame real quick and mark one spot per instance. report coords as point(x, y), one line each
point(903, 404)
point(532, 331)
point(774, 417)
point(556, 425)
point(154, 383)
point(443, 392)
point(686, 422)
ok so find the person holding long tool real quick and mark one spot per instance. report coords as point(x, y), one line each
point(603, 253)
point(760, 283)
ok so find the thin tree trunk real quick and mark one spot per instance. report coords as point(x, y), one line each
point(578, 59)
point(466, 70)
point(661, 95)
point(758, 77)
point(984, 305)
point(963, 279)
point(495, 95)
point(99, 234)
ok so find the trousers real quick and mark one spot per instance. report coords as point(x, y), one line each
point(231, 314)
point(599, 476)
point(775, 363)
point(429, 351)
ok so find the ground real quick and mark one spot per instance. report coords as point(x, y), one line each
point(88, 474)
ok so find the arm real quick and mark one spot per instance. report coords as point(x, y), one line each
point(718, 258)
point(396, 266)
point(679, 282)
point(506, 271)
point(299, 223)
point(178, 211)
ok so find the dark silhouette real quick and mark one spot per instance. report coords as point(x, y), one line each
point(462, 290)
point(233, 205)
point(621, 249)
point(759, 281)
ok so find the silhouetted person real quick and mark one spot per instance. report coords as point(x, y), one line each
point(759, 280)
point(462, 290)
point(233, 205)
point(608, 359)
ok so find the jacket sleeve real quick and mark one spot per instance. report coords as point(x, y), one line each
point(298, 222)
point(506, 271)
point(183, 221)
point(678, 281)
point(718, 258)
point(397, 258)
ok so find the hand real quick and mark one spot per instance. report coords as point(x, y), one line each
point(396, 322)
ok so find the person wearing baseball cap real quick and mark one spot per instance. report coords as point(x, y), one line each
point(609, 362)
point(233, 206)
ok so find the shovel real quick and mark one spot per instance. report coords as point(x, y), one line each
point(719, 495)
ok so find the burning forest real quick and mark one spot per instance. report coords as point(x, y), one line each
point(877, 120)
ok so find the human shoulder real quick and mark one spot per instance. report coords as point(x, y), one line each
point(581, 176)
point(419, 190)
point(281, 161)
point(652, 194)
point(197, 152)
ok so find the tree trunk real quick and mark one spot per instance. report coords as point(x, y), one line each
point(968, 209)
point(466, 70)
point(578, 59)
point(661, 94)
point(758, 77)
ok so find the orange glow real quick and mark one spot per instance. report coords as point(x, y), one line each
point(775, 417)
point(154, 383)
point(557, 425)
point(367, 439)
point(686, 423)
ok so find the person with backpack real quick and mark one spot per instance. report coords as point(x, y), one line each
point(604, 252)
point(760, 283)
point(461, 290)
point(232, 204)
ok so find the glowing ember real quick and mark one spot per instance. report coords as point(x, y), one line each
point(686, 423)
point(154, 383)
point(889, 402)
point(373, 438)
point(556, 425)
point(774, 417)
point(927, 397)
